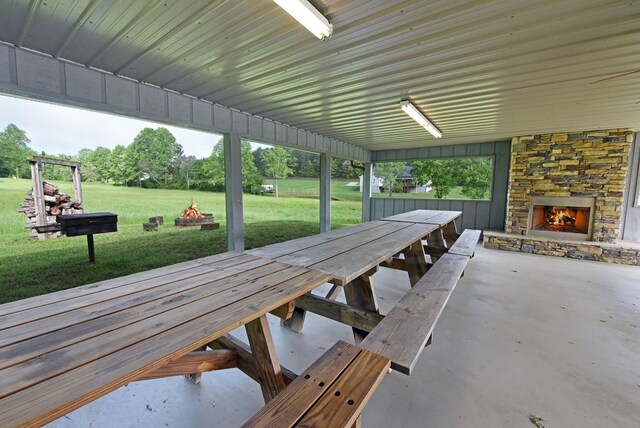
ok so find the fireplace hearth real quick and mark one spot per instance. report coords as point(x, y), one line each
point(568, 218)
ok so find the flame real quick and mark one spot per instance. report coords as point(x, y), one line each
point(192, 211)
point(560, 217)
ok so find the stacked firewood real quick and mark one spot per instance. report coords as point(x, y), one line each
point(55, 201)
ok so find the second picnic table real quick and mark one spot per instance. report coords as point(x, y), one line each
point(352, 255)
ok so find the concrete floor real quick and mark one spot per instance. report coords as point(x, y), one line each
point(522, 335)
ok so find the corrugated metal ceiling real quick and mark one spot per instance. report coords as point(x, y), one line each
point(480, 70)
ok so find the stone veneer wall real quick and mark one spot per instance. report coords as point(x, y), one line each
point(627, 254)
point(584, 164)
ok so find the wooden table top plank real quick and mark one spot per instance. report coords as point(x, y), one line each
point(196, 304)
point(59, 312)
point(444, 218)
point(414, 216)
point(60, 394)
point(283, 248)
point(326, 250)
point(403, 333)
point(74, 327)
point(349, 265)
point(85, 290)
point(440, 218)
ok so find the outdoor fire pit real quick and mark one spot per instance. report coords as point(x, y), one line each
point(192, 217)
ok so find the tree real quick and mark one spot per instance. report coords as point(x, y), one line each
point(155, 153)
point(14, 150)
point(442, 174)
point(277, 163)
point(102, 159)
point(475, 174)
point(88, 170)
point(341, 168)
point(118, 168)
point(186, 165)
point(389, 172)
point(213, 168)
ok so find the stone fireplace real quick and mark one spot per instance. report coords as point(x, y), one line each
point(561, 217)
point(591, 164)
point(565, 196)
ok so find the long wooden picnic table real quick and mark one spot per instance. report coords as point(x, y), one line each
point(352, 254)
point(447, 232)
point(62, 350)
point(348, 253)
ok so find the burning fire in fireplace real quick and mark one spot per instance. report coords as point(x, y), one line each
point(558, 216)
point(192, 211)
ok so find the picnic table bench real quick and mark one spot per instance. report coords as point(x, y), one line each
point(62, 350)
point(331, 393)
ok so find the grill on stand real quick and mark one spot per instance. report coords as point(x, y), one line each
point(84, 224)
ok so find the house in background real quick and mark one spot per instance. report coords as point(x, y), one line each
point(409, 185)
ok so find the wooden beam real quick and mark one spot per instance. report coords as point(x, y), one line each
point(450, 233)
point(433, 250)
point(265, 357)
point(350, 315)
point(246, 361)
point(395, 263)
point(53, 161)
point(416, 263)
point(296, 321)
point(195, 362)
point(285, 311)
point(360, 293)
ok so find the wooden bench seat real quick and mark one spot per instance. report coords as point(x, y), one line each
point(331, 393)
point(403, 333)
point(466, 243)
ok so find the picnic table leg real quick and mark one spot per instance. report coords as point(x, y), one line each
point(358, 422)
point(296, 322)
point(195, 378)
point(450, 232)
point(436, 239)
point(416, 264)
point(264, 352)
point(360, 293)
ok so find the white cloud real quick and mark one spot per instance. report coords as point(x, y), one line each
point(58, 129)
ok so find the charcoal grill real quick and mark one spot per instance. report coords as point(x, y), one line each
point(83, 224)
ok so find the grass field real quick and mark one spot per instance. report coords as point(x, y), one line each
point(455, 193)
point(29, 268)
point(310, 188)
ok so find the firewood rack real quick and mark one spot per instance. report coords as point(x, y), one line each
point(35, 162)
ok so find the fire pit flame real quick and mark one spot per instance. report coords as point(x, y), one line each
point(192, 211)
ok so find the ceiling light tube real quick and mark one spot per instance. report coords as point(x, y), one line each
point(412, 111)
point(308, 16)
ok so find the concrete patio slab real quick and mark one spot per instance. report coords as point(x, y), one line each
point(522, 335)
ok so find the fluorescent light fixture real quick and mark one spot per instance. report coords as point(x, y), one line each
point(308, 16)
point(412, 111)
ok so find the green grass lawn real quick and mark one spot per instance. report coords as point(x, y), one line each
point(455, 193)
point(29, 268)
point(310, 188)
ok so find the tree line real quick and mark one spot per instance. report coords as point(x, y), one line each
point(154, 159)
point(473, 175)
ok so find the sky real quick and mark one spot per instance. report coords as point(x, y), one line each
point(65, 130)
